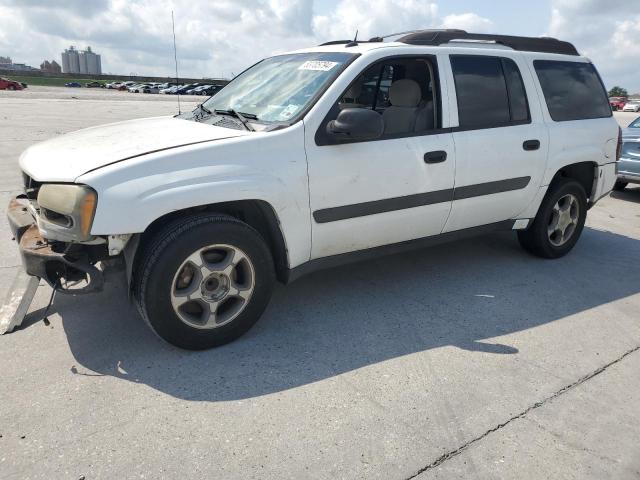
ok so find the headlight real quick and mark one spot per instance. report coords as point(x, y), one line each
point(66, 211)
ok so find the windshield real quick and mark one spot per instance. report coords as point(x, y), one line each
point(279, 88)
point(635, 123)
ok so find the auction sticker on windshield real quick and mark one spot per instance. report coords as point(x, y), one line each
point(319, 65)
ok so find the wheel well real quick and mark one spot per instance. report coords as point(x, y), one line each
point(583, 172)
point(256, 213)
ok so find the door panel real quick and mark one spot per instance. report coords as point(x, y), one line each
point(501, 143)
point(506, 176)
point(368, 194)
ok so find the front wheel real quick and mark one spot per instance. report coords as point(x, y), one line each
point(559, 222)
point(204, 281)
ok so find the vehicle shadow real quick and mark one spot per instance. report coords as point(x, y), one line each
point(630, 194)
point(461, 294)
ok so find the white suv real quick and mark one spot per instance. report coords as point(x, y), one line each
point(319, 157)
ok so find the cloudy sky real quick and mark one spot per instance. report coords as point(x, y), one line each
point(220, 37)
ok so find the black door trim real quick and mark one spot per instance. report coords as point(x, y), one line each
point(334, 214)
point(489, 188)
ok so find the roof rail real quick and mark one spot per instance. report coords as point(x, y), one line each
point(528, 44)
point(381, 38)
point(342, 42)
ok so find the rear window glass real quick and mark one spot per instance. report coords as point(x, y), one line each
point(490, 92)
point(517, 95)
point(572, 90)
point(481, 91)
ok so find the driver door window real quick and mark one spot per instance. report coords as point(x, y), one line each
point(403, 91)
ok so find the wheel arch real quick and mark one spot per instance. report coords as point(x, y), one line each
point(258, 214)
point(585, 173)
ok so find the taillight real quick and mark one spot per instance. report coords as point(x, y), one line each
point(619, 147)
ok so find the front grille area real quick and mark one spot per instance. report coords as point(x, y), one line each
point(31, 186)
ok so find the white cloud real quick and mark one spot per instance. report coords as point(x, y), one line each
point(378, 18)
point(470, 22)
point(606, 32)
point(214, 38)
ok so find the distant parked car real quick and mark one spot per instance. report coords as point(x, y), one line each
point(617, 103)
point(151, 89)
point(94, 85)
point(171, 90)
point(183, 90)
point(137, 88)
point(632, 106)
point(629, 164)
point(210, 90)
point(196, 90)
point(6, 84)
point(73, 85)
point(125, 85)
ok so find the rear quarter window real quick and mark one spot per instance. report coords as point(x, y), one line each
point(572, 90)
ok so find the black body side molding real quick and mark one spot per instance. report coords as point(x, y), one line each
point(334, 214)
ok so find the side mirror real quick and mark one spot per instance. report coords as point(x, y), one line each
point(356, 124)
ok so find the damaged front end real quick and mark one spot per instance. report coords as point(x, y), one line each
point(67, 266)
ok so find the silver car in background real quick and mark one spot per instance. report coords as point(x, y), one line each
point(629, 164)
point(632, 106)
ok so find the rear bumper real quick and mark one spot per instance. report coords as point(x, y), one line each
point(54, 261)
point(604, 181)
point(628, 177)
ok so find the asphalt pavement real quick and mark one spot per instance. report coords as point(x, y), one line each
point(466, 360)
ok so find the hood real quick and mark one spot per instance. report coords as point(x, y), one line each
point(65, 158)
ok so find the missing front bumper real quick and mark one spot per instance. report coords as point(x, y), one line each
point(70, 268)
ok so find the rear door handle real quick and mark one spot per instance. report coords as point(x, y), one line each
point(530, 145)
point(438, 156)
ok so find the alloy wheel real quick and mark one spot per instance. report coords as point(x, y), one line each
point(212, 286)
point(564, 220)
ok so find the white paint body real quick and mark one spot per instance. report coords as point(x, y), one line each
point(144, 169)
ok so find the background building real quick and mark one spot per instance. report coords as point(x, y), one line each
point(85, 61)
point(7, 64)
point(50, 67)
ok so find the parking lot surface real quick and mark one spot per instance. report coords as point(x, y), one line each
point(466, 360)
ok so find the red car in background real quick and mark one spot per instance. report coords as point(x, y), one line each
point(617, 103)
point(6, 84)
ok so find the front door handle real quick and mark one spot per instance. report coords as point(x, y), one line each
point(531, 145)
point(438, 156)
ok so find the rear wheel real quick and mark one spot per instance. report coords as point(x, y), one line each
point(559, 222)
point(620, 185)
point(204, 281)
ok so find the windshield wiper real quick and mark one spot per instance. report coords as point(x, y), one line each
point(204, 109)
point(240, 116)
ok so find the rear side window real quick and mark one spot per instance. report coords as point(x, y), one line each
point(572, 90)
point(490, 92)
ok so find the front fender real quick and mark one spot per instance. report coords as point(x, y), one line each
point(270, 167)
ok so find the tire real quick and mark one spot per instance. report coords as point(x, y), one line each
point(620, 185)
point(565, 201)
point(165, 280)
point(11, 87)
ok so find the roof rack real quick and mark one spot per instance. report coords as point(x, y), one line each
point(528, 44)
point(342, 42)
